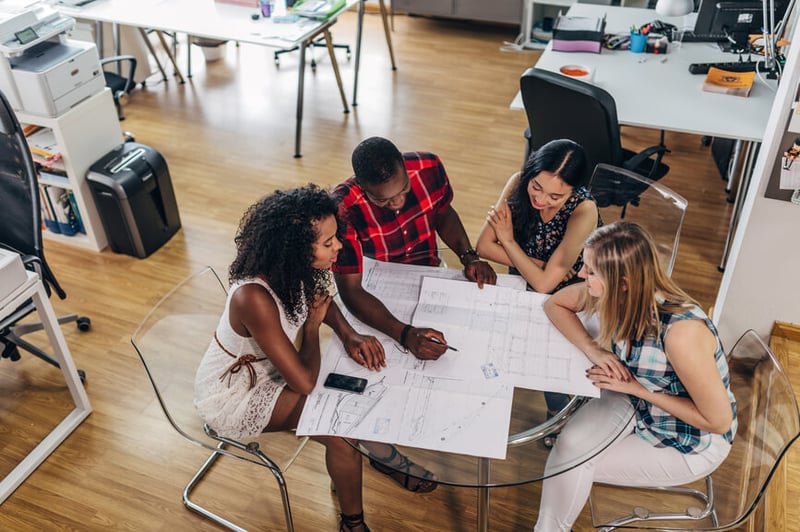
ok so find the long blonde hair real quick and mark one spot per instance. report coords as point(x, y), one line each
point(637, 287)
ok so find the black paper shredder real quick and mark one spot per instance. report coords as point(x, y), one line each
point(135, 200)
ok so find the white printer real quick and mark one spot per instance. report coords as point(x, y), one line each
point(41, 71)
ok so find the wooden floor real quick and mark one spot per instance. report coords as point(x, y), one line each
point(228, 137)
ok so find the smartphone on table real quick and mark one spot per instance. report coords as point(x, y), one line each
point(345, 382)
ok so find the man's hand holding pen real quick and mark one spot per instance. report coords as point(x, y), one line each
point(426, 344)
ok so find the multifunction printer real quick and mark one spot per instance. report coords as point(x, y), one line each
point(41, 71)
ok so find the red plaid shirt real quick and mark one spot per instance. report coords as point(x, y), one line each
point(406, 236)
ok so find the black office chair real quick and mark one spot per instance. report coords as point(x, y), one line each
point(120, 85)
point(562, 107)
point(21, 232)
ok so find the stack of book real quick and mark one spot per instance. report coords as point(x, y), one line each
point(60, 213)
point(43, 146)
point(725, 82)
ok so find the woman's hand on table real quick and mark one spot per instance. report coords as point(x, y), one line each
point(365, 350)
point(609, 363)
point(609, 381)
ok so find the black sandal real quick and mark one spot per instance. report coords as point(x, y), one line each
point(400, 472)
point(349, 523)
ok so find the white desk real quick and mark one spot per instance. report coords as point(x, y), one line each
point(658, 92)
point(33, 288)
point(206, 18)
point(663, 94)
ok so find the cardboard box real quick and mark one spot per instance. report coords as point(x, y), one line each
point(578, 34)
point(12, 273)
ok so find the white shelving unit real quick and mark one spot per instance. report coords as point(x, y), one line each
point(529, 16)
point(84, 134)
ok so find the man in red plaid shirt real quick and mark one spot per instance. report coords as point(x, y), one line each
point(393, 208)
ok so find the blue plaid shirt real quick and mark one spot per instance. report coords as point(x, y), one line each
point(648, 363)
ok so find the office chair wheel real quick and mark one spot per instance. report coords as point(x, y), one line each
point(82, 376)
point(11, 352)
point(84, 323)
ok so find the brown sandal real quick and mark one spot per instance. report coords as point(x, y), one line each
point(400, 472)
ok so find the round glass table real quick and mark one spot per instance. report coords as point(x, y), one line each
point(525, 458)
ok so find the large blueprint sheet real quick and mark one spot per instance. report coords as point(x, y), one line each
point(503, 333)
point(450, 404)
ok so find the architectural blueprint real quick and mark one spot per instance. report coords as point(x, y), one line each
point(460, 403)
point(502, 333)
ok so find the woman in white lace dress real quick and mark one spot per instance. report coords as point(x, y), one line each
point(252, 379)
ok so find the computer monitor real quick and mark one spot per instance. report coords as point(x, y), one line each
point(734, 19)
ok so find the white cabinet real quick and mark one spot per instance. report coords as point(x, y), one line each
point(502, 11)
point(84, 134)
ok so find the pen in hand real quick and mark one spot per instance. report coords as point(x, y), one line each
point(436, 341)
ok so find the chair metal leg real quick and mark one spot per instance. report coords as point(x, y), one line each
point(253, 449)
point(692, 513)
point(152, 51)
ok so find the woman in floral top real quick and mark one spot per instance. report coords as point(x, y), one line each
point(539, 224)
point(542, 218)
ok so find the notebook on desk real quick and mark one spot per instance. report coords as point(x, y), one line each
point(317, 9)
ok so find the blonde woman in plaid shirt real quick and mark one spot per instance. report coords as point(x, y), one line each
point(665, 365)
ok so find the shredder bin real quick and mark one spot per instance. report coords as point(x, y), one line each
point(134, 198)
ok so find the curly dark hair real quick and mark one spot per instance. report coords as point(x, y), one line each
point(563, 157)
point(375, 160)
point(275, 239)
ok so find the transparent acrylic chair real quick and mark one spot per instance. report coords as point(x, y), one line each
point(171, 341)
point(622, 194)
point(769, 422)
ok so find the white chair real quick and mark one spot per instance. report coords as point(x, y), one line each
point(171, 341)
point(769, 422)
point(623, 194)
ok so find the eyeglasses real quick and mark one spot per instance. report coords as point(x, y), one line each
point(383, 202)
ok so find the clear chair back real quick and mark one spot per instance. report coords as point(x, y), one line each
point(769, 422)
point(172, 339)
point(622, 194)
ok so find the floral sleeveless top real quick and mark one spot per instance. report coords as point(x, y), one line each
point(545, 237)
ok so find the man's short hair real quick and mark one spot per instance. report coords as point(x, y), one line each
point(375, 160)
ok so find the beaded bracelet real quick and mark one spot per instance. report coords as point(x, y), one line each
point(404, 336)
point(469, 251)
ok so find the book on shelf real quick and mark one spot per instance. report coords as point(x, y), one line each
point(61, 215)
point(725, 82)
point(53, 176)
point(43, 146)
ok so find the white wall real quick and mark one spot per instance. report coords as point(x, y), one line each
point(761, 283)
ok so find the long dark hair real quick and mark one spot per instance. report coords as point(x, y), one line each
point(566, 159)
point(275, 239)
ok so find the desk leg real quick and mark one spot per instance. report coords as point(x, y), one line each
point(152, 51)
point(335, 65)
point(387, 32)
point(741, 190)
point(82, 409)
point(359, 29)
point(484, 465)
point(170, 55)
point(300, 83)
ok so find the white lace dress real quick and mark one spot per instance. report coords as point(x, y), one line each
point(224, 399)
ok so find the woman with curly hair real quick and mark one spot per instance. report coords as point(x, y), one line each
point(252, 379)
